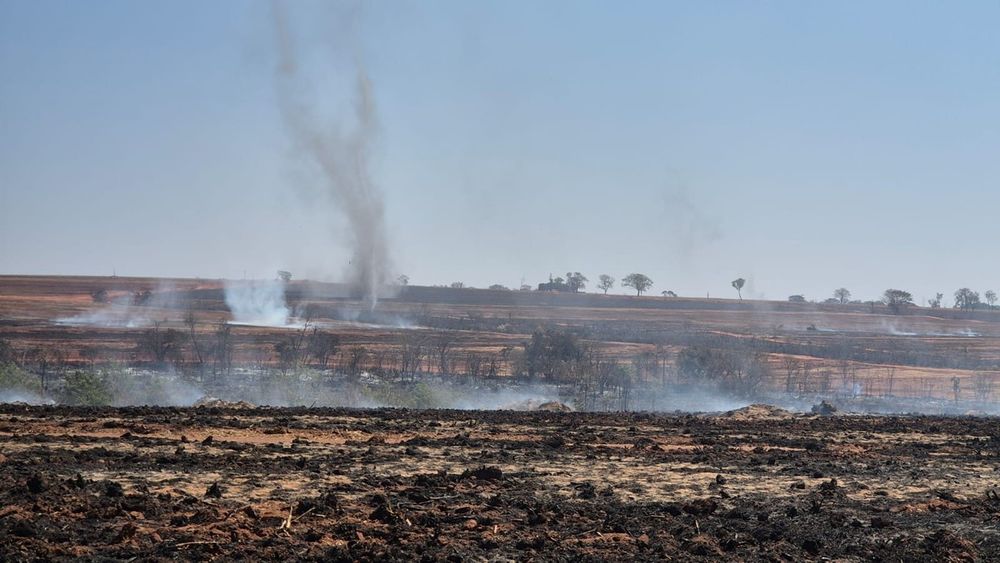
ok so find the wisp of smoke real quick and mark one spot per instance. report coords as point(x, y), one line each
point(124, 312)
point(342, 156)
point(20, 396)
point(257, 302)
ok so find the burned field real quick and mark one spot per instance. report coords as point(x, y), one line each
point(623, 353)
point(275, 484)
point(232, 480)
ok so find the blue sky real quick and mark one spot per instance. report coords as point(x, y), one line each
point(803, 146)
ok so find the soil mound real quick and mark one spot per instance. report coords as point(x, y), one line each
point(214, 402)
point(758, 411)
point(537, 405)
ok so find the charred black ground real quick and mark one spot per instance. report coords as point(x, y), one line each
point(275, 484)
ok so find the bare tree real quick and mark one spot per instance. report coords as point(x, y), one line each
point(442, 347)
point(161, 345)
point(192, 323)
point(605, 283)
point(411, 353)
point(321, 346)
point(982, 384)
point(842, 295)
point(936, 302)
point(793, 367)
point(639, 282)
point(356, 357)
point(291, 350)
point(222, 349)
point(738, 284)
point(890, 380)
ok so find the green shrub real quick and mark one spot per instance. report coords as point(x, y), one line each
point(87, 388)
point(15, 378)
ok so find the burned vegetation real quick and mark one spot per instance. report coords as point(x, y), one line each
point(320, 484)
point(569, 447)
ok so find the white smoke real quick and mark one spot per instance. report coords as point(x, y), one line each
point(129, 309)
point(257, 302)
point(341, 155)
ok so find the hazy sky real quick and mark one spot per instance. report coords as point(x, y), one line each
point(802, 145)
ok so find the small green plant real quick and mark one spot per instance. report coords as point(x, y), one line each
point(14, 378)
point(87, 388)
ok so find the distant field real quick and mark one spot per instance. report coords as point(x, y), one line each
point(914, 354)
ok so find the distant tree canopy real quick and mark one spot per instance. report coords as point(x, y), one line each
point(639, 282)
point(668, 293)
point(738, 284)
point(896, 299)
point(605, 283)
point(991, 298)
point(936, 302)
point(403, 279)
point(966, 299)
point(576, 281)
point(457, 285)
point(796, 298)
point(284, 275)
point(551, 352)
point(842, 295)
point(499, 287)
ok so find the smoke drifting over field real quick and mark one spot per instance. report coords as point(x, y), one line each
point(340, 152)
point(257, 302)
point(127, 309)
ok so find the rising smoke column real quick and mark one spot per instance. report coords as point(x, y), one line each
point(342, 156)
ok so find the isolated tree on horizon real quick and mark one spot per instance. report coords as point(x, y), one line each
point(639, 282)
point(936, 302)
point(842, 295)
point(966, 299)
point(991, 297)
point(738, 284)
point(403, 280)
point(605, 283)
point(896, 299)
point(576, 281)
point(668, 293)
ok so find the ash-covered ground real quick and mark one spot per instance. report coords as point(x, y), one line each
point(337, 484)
